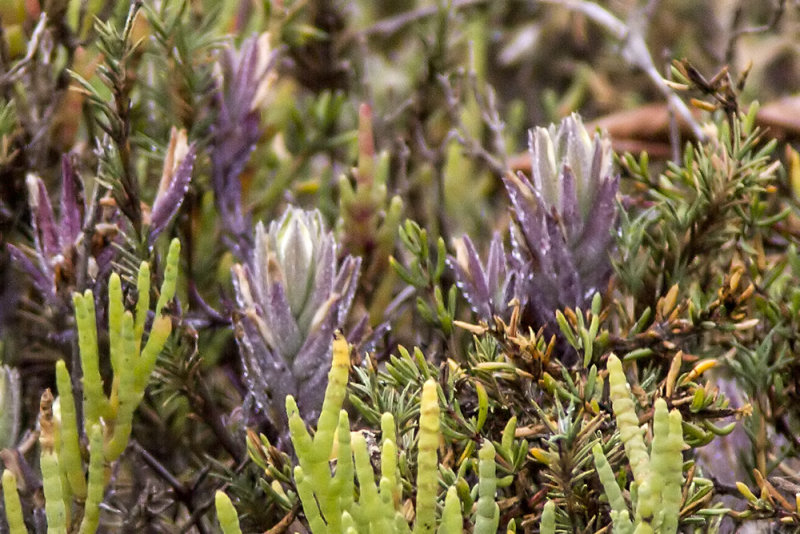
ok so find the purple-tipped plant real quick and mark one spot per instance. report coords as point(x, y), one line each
point(51, 264)
point(561, 231)
point(175, 178)
point(244, 78)
point(489, 288)
point(292, 296)
point(563, 219)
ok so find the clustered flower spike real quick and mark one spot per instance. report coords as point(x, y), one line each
point(292, 297)
point(488, 289)
point(561, 231)
point(51, 263)
point(55, 243)
point(174, 183)
point(563, 219)
point(244, 78)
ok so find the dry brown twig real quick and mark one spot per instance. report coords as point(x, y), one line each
point(737, 31)
point(634, 50)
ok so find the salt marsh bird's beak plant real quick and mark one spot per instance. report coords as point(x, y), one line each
point(561, 232)
point(292, 294)
point(54, 260)
point(175, 178)
point(244, 80)
point(51, 261)
point(488, 288)
point(563, 218)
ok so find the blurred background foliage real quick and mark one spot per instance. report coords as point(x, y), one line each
point(406, 125)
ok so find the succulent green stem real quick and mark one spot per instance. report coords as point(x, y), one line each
point(96, 488)
point(427, 461)
point(16, 523)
